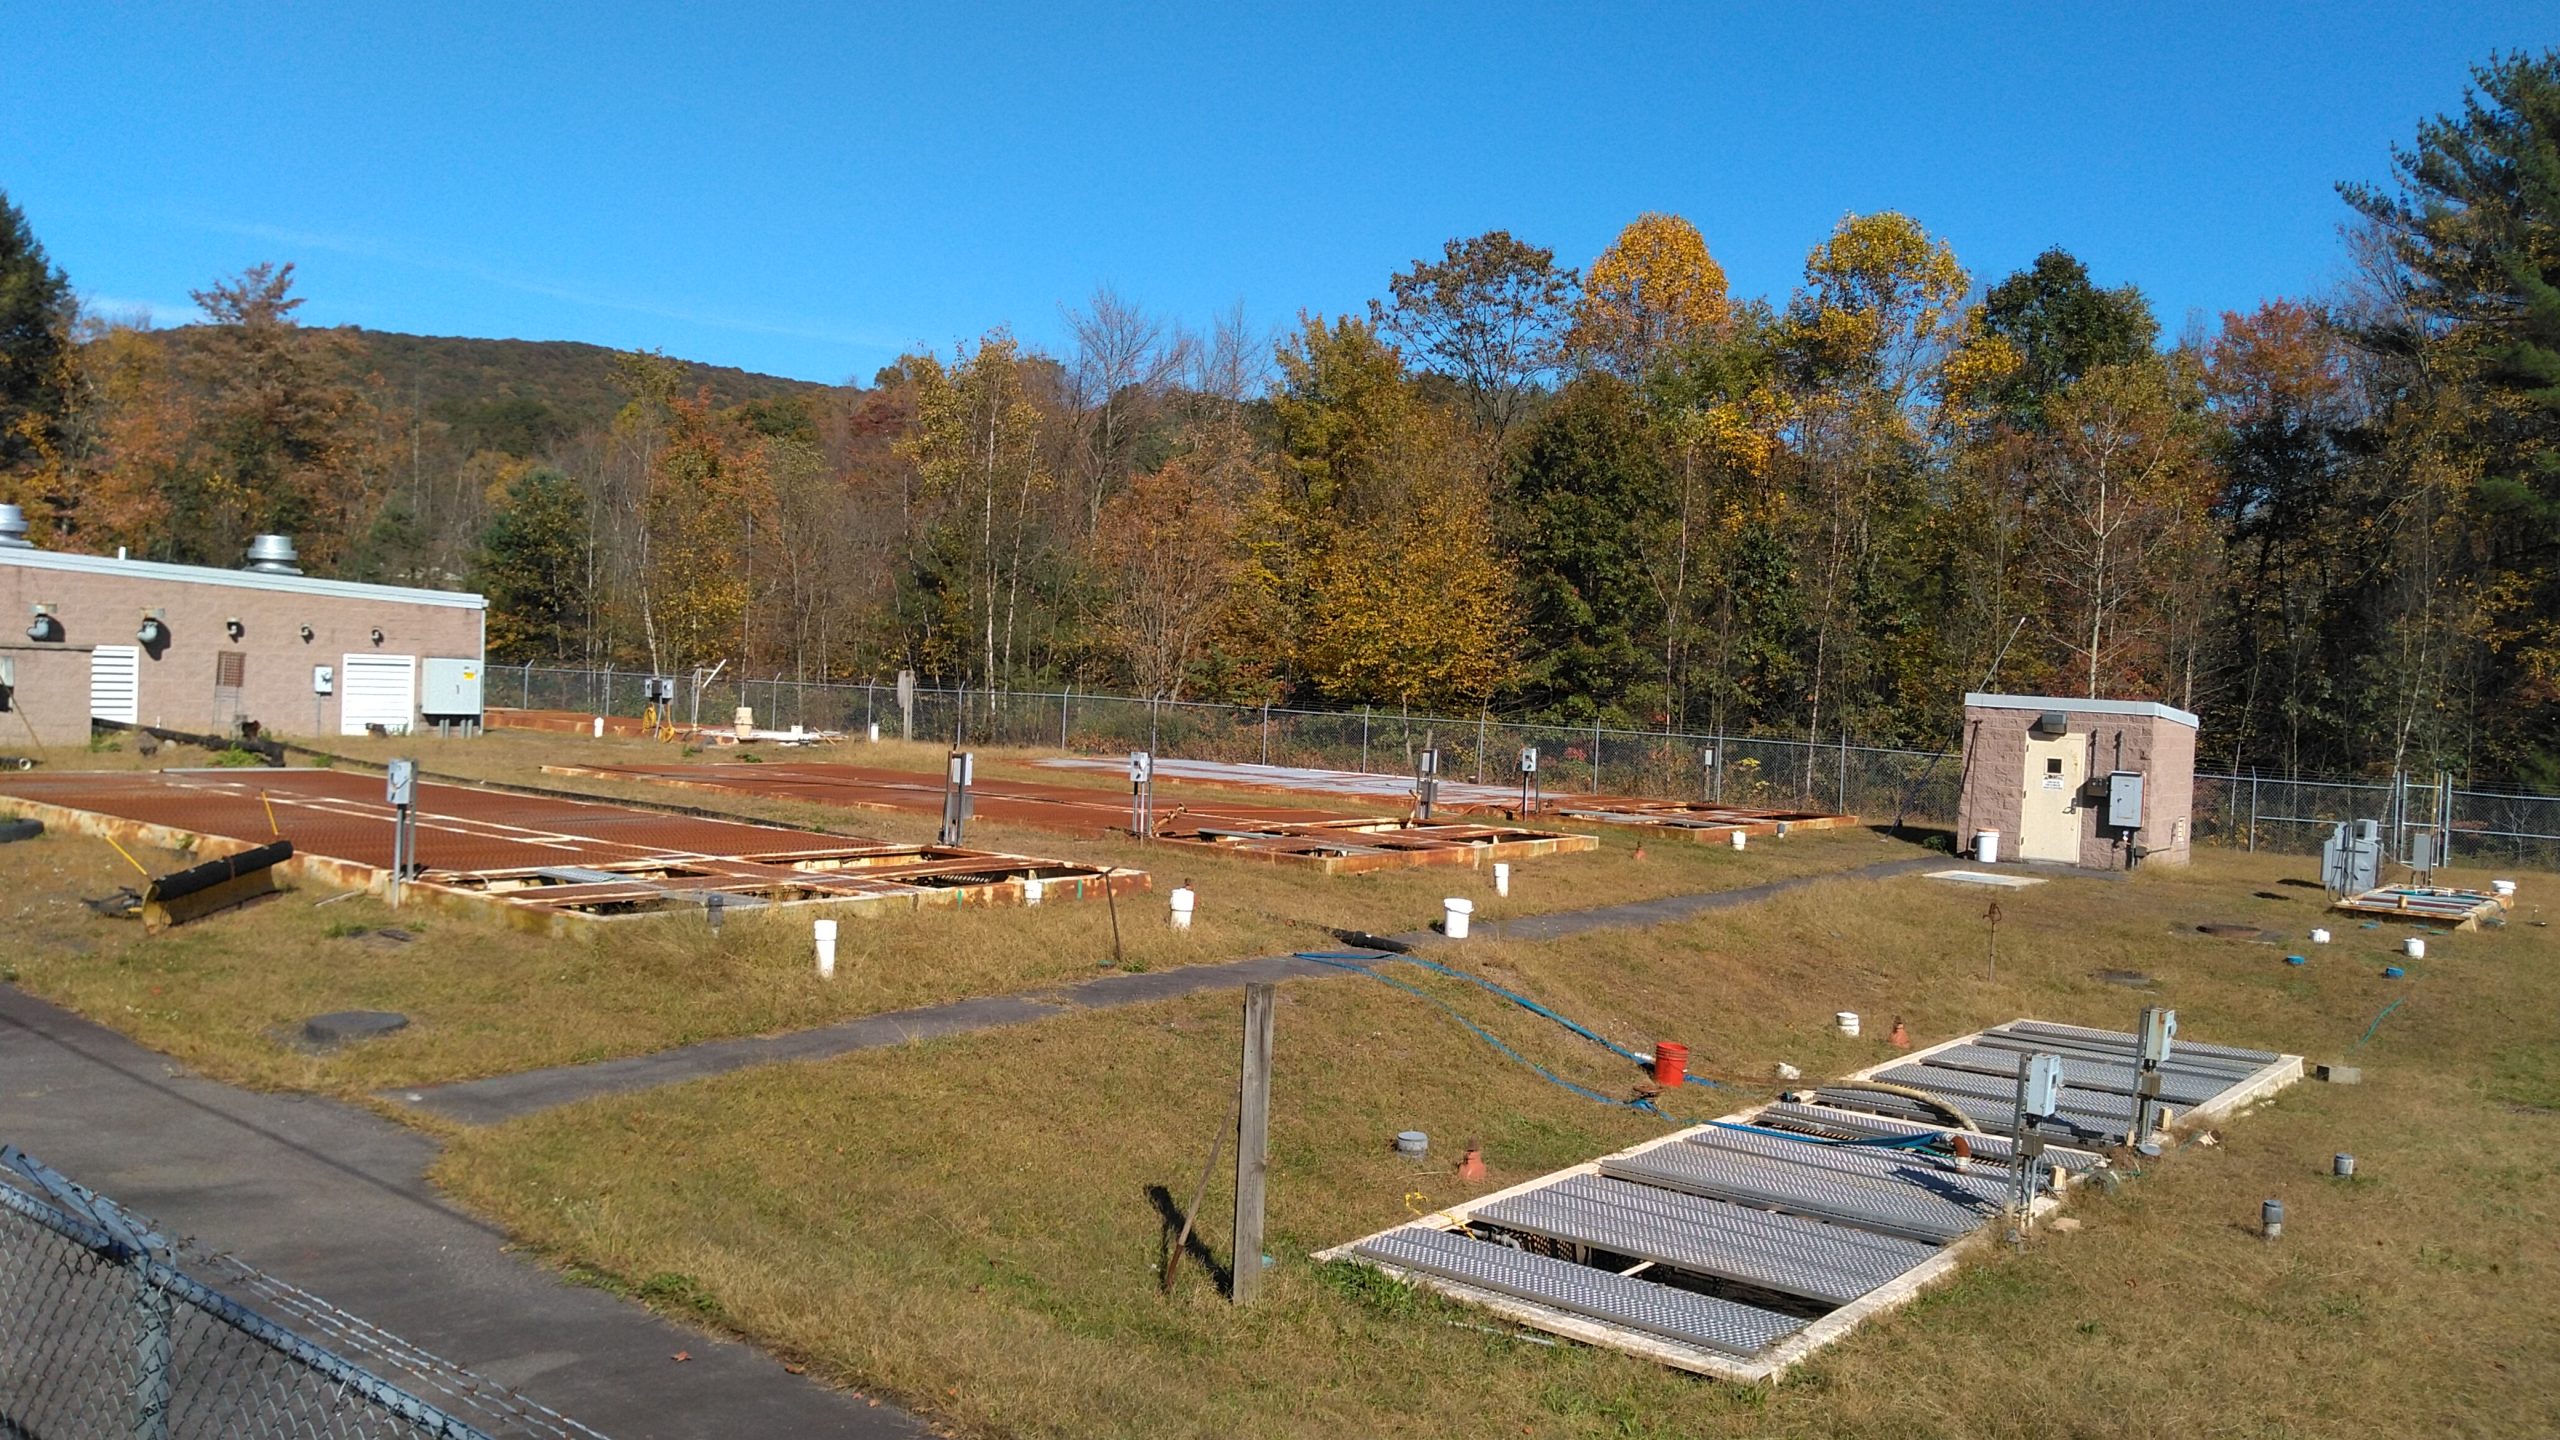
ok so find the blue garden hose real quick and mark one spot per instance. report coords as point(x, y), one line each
point(1366, 963)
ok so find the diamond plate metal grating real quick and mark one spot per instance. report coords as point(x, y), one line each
point(1890, 1165)
point(1673, 1314)
point(1922, 1206)
point(1842, 1124)
point(2178, 1087)
point(1704, 1237)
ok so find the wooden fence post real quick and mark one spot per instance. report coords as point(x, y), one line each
point(1253, 1138)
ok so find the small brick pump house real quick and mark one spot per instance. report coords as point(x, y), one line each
point(2101, 784)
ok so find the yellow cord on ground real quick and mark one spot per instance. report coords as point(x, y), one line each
point(128, 856)
point(271, 813)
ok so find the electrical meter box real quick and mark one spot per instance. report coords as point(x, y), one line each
point(400, 784)
point(324, 679)
point(2124, 800)
point(1428, 763)
point(2044, 1085)
point(1142, 767)
point(449, 688)
point(2157, 1037)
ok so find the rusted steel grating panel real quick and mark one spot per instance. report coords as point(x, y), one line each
point(492, 843)
point(1331, 841)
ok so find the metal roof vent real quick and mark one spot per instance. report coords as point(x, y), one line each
point(273, 555)
point(13, 529)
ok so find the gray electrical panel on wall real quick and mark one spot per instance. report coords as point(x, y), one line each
point(2124, 800)
point(449, 688)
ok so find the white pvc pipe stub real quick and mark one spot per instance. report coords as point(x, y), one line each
point(825, 932)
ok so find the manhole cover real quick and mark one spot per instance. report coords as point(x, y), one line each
point(340, 1026)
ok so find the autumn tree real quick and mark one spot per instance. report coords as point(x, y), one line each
point(2062, 327)
point(1490, 314)
point(1653, 289)
point(977, 452)
point(2471, 352)
point(532, 564)
point(36, 313)
point(705, 489)
point(2120, 539)
point(1170, 549)
point(1120, 376)
point(289, 444)
point(1587, 491)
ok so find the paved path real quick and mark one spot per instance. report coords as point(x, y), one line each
point(335, 1200)
point(504, 1097)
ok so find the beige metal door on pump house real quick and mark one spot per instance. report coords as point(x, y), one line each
point(2049, 822)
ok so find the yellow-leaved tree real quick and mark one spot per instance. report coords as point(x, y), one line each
point(1654, 289)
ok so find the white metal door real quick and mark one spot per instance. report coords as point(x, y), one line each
point(2049, 822)
point(115, 683)
point(377, 690)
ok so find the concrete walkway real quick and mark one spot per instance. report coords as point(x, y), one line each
point(504, 1097)
point(336, 1201)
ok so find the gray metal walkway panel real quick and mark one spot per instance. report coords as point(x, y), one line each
point(1922, 1206)
point(2194, 1067)
point(2115, 1077)
point(1843, 1124)
point(1885, 1251)
point(1708, 1239)
point(1663, 1310)
point(2126, 1041)
point(2090, 1107)
point(1991, 1115)
point(1858, 1161)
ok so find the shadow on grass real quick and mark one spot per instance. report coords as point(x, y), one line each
point(1195, 1249)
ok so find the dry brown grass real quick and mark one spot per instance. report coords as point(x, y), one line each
point(967, 1224)
point(229, 993)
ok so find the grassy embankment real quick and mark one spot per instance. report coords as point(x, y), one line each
point(228, 994)
point(974, 1225)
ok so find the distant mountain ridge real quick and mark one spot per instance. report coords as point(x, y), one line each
point(506, 385)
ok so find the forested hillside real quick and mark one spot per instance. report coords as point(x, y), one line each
point(2328, 522)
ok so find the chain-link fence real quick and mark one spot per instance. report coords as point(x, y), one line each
point(2294, 815)
point(1773, 771)
point(1919, 787)
point(107, 1328)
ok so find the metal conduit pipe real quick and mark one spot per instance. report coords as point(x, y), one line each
point(1954, 1116)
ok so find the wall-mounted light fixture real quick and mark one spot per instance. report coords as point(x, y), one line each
point(155, 630)
point(232, 627)
point(377, 634)
point(306, 634)
point(43, 625)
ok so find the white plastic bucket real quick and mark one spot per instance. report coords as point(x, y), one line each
point(1847, 1020)
point(1032, 890)
point(826, 937)
point(875, 732)
point(1502, 877)
point(1986, 846)
point(1453, 917)
point(1740, 840)
point(1184, 902)
point(2319, 937)
point(2414, 948)
point(599, 727)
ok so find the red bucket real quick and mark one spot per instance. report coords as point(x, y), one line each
point(1670, 1064)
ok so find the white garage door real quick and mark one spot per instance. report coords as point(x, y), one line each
point(115, 683)
point(377, 690)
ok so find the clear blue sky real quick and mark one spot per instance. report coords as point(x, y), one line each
point(810, 190)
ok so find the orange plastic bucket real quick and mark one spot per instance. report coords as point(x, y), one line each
point(1670, 1064)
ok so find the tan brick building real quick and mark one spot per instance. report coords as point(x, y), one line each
point(2103, 784)
point(200, 649)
